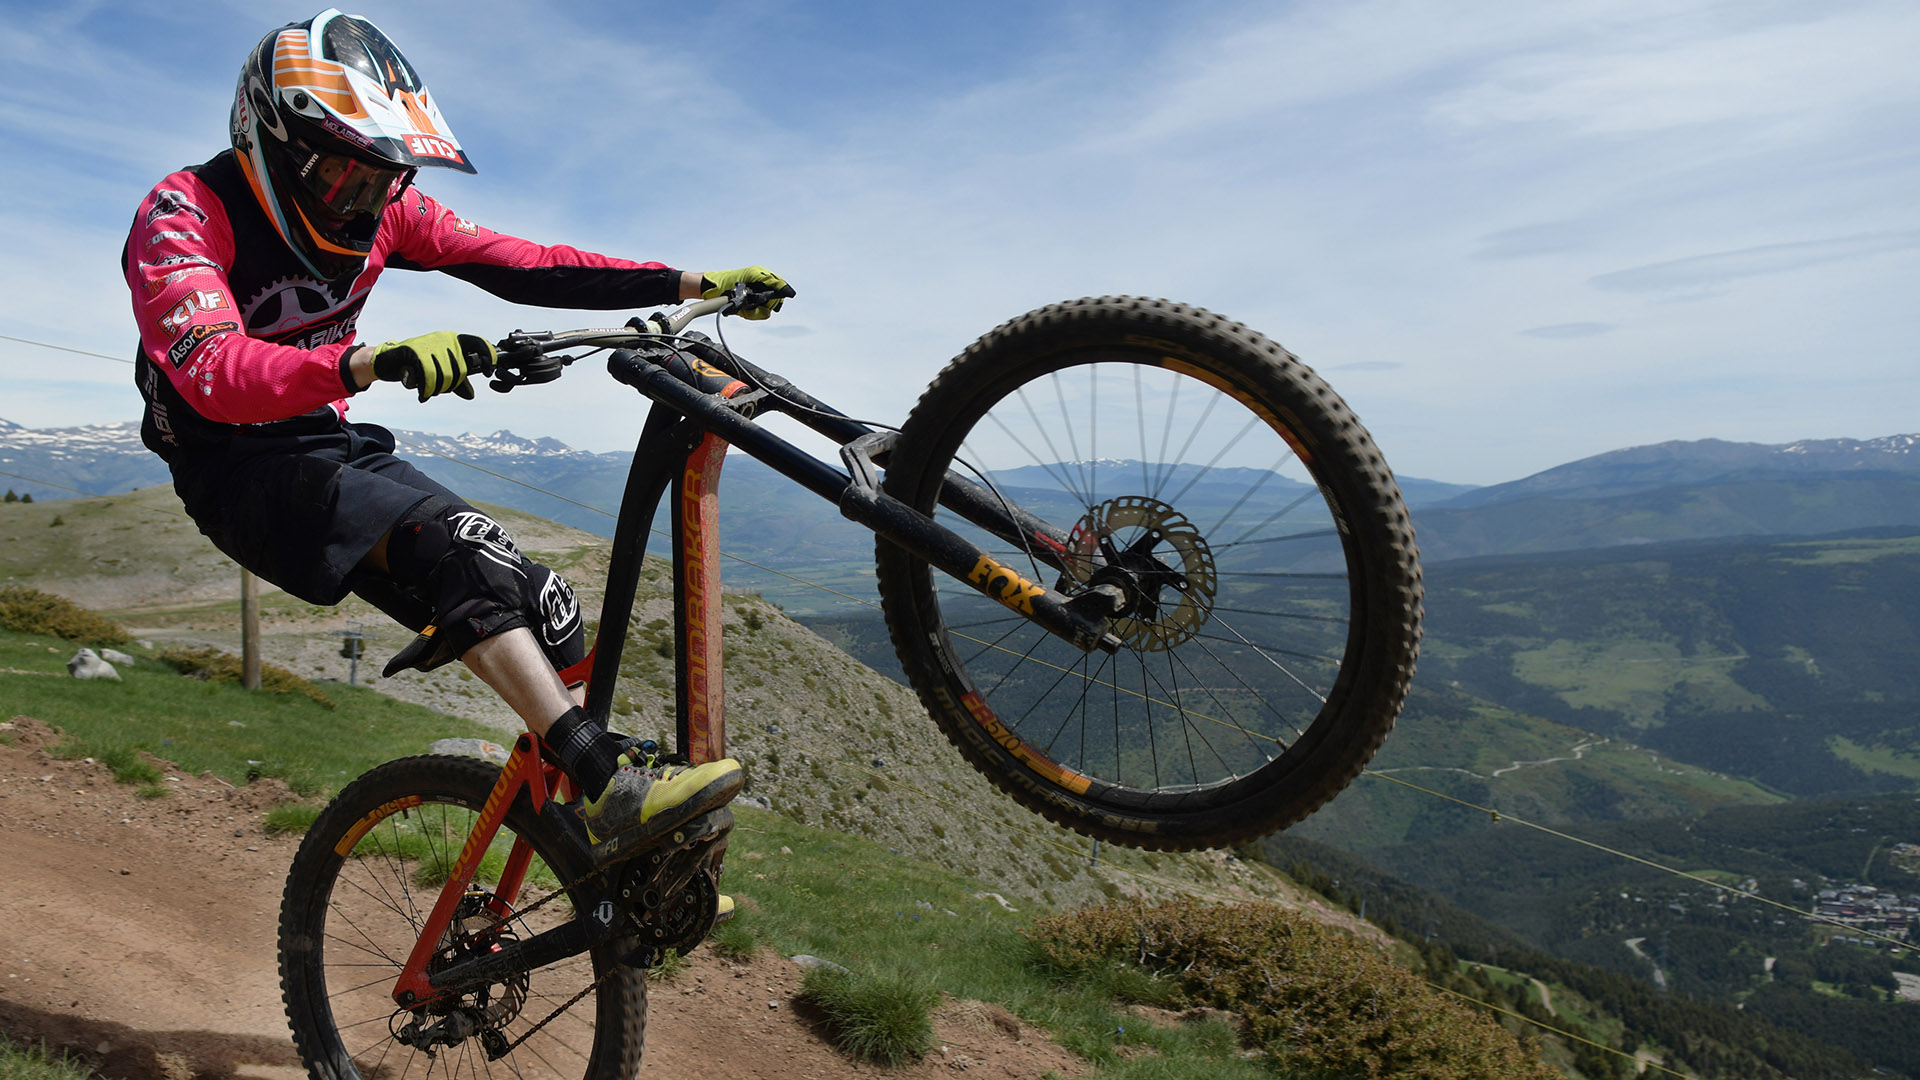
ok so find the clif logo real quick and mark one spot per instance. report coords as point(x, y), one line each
point(183, 312)
point(429, 146)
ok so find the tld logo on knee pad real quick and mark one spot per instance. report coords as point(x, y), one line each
point(559, 610)
point(478, 530)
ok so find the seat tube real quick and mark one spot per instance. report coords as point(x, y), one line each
point(699, 688)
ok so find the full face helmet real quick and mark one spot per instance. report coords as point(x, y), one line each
point(330, 123)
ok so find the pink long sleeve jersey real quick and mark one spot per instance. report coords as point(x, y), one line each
point(237, 338)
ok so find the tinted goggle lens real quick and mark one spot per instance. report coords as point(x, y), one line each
point(347, 186)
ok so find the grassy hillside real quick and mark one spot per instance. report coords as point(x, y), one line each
point(825, 741)
point(1792, 663)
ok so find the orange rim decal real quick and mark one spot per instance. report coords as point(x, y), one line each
point(380, 813)
point(1018, 747)
point(1286, 431)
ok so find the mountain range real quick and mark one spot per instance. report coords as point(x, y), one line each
point(1667, 492)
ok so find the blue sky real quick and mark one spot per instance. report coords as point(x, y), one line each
point(1511, 234)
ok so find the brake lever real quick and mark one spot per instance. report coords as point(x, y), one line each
point(520, 359)
point(744, 295)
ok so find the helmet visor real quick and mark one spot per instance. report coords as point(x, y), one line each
point(344, 186)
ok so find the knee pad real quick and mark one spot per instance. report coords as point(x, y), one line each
point(465, 565)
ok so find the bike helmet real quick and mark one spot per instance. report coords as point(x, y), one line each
point(330, 123)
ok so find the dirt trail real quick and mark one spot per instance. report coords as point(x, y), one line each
point(140, 935)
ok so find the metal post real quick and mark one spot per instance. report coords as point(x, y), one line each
point(249, 630)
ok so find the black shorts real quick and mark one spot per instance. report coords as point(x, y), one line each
point(301, 511)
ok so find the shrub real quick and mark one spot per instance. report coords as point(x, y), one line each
point(1314, 998)
point(31, 611)
point(216, 666)
point(888, 1021)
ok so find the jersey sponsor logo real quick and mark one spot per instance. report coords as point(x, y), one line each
point(291, 304)
point(159, 285)
point(325, 335)
point(476, 529)
point(174, 234)
point(197, 335)
point(196, 301)
point(168, 203)
point(462, 225)
point(430, 146)
point(183, 260)
point(172, 321)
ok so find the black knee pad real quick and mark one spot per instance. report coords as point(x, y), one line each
point(466, 566)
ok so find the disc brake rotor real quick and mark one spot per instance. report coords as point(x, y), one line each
point(1157, 557)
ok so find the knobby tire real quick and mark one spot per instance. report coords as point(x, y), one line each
point(1273, 539)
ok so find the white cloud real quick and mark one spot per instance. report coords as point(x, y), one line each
point(1389, 188)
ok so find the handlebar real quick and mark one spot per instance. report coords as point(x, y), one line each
point(525, 356)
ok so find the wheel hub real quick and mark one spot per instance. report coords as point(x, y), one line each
point(484, 1012)
point(1156, 557)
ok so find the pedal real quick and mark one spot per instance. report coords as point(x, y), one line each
point(674, 891)
point(697, 830)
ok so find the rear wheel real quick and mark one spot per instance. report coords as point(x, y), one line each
point(1273, 586)
point(359, 891)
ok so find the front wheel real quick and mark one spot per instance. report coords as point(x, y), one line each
point(1271, 582)
point(359, 891)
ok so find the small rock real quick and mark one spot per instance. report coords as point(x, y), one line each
point(785, 850)
point(236, 723)
point(773, 1004)
point(86, 664)
point(806, 960)
point(116, 658)
point(473, 748)
point(996, 898)
point(239, 832)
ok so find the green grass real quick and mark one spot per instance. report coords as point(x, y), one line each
point(885, 916)
point(24, 1061)
point(215, 727)
point(735, 940)
point(1633, 677)
point(1875, 759)
point(127, 764)
point(885, 1019)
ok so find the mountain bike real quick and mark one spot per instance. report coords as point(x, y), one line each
point(1142, 567)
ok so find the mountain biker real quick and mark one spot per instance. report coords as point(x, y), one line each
point(248, 274)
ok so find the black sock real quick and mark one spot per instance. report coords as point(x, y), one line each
point(587, 751)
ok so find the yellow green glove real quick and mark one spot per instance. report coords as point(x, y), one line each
point(718, 282)
point(434, 363)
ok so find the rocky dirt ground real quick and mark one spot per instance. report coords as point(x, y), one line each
point(139, 935)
